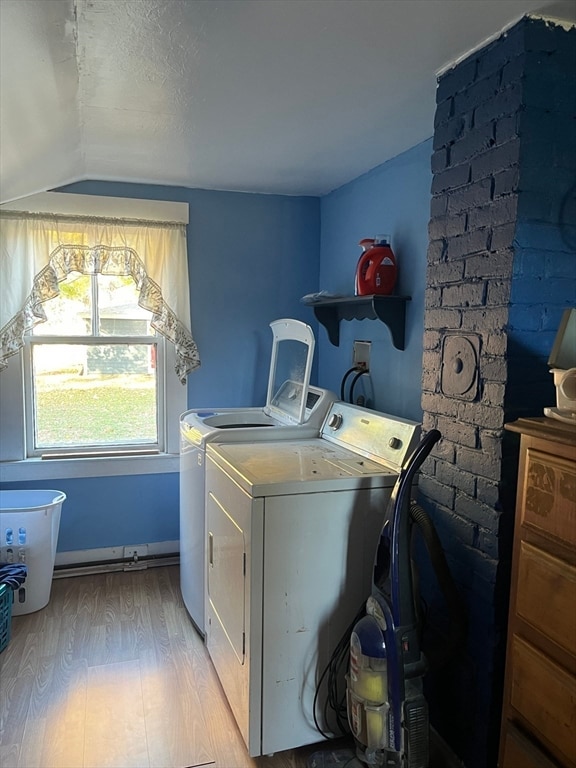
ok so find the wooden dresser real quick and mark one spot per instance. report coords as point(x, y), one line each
point(539, 706)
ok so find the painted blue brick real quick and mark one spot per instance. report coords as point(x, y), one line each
point(498, 53)
point(562, 267)
point(475, 511)
point(554, 93)
point(500, 211)
point(506, 128)
point(539, 235)
point(542, 175)
point(530, 343)
point(506, 102)
point(553, 315)
point(524, 318)
point(473, 241)
point(451, 178)
point(497, 264)
point(472, 143)
point(450, 131)
point(485, 320)
point(517, 338)
point(535, 290)
point(487, 491)
point(451, 526)
point(530, 262)
point(443, 273)
point(540, 128)
point(542, 37)
point(497, 295)
point(502, 236)
point(444, 111)
point(513, 70)
point(478, 193)
point(534, 206)
point(477, 93)
point(494, 160)
point(465, 434)
point(439, 160)
point(438, 205)
point(456, 79)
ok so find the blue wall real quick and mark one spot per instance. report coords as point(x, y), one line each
point(393, 199)
point(251, 258)
point(114, 511)
point(544, 279)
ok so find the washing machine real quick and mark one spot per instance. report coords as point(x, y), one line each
point(292, 529)
point(293, 408)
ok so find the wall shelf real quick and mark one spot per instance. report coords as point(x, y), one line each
point(391, 310)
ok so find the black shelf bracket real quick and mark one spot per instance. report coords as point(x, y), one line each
point(391, 310)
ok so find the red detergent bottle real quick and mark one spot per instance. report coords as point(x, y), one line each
point(377, 269)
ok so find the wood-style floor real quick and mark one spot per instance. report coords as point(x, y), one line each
point(112, 674)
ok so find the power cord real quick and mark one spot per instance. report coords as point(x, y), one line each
point(359, 372)
point(333, 672)
point(333, 675)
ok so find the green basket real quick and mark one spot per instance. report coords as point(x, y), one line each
point(6, 598)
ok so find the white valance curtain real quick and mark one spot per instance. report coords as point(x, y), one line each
point(38, 251)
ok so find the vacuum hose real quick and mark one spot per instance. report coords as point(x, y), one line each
point(456, 608)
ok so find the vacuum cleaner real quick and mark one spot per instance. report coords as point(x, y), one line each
point(386, 708)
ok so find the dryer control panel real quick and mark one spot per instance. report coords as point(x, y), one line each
point(384, 438)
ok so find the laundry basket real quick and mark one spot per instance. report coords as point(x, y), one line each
point(5, 615)
point(29, 525)
point(12, 576)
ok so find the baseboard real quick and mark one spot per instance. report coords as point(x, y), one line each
point(106, 559)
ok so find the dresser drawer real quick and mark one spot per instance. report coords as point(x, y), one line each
point(520, 752)
point(549, 495)
point(546, 595)
point(545, 695)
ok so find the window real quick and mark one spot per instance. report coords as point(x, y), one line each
point(95, 341)
point(94, 371)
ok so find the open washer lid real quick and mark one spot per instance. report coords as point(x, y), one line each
point(290, 369)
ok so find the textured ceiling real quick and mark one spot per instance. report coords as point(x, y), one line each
point(276, 96)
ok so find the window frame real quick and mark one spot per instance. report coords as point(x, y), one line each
point(119, 448)
point(15, 466)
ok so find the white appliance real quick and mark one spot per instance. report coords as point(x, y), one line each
point(292, 532)
point(293, 409)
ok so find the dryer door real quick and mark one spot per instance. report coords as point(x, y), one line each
point(226, 576)
point(229, 527)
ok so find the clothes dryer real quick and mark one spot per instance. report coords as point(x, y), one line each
point(293, 409)
point(292, 528)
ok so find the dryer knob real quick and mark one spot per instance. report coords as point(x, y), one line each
point(394, 443)
point(335, 421)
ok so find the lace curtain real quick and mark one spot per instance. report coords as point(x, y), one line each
point(38, 251)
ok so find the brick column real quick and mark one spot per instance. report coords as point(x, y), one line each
point(492, 308)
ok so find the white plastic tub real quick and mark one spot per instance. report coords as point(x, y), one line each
point(29, 525)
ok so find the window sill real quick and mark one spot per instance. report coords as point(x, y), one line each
point(39, 470)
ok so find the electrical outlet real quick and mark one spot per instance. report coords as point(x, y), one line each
point(136, 552)
point(361, 354)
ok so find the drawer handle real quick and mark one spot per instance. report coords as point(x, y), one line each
point(211, 549)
